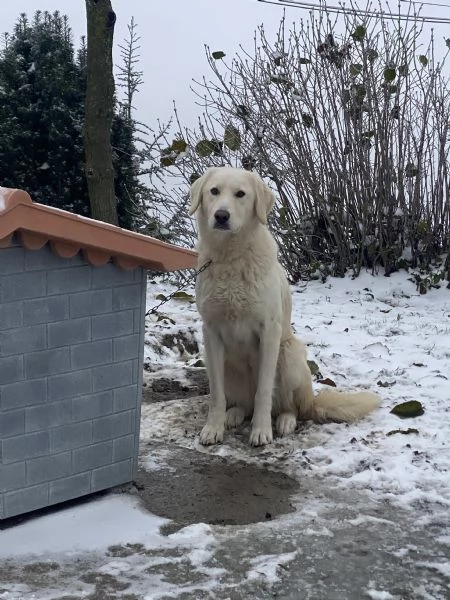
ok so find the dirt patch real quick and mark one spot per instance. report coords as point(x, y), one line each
point(40, 568)
point(161, 389)
point(183, 341)
point(191, 487)
point(105, 584)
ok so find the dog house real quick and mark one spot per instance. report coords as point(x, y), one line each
point(72, 309)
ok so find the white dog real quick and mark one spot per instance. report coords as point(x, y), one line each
point(257, 367)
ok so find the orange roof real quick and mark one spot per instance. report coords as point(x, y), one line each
point(36, 224)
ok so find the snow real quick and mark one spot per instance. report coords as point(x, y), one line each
point(93, 526)
point(99, 524)
point(379, 595)
point(443, 567)
point(2, 199)
point(268, 566)
point(92, 530)
point(277, 56)
point(375, 333)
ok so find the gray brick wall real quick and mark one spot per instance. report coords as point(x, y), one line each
point(71, 350)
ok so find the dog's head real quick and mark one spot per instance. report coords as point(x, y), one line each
point(230, 199)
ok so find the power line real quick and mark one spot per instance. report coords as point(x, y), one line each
point(358, 12)
point(425, 3)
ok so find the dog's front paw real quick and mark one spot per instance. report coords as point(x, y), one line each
point(212, 434)
point(260, 436)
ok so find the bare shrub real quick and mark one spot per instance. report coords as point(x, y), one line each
point(348, 121)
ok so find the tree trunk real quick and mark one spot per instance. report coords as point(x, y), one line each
point(99, 110)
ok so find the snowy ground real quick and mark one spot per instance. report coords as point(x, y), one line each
point(373, 513)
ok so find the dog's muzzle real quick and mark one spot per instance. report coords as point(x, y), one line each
point(221, 219)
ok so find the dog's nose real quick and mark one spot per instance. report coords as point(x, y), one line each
point(221, 216)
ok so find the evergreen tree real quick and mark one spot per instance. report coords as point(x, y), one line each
point(42, 94)
point(41, 113)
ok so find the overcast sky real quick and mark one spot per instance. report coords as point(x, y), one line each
point(173, 34)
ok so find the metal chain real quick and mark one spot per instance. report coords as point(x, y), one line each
point(179, 289)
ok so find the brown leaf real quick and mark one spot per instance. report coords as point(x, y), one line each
point(327, 381)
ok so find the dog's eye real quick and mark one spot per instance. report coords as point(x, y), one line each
point(240, 194)
point(215, 191)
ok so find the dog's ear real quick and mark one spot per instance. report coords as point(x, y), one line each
point(265, 199)
point(196, 194)
point(197, 190)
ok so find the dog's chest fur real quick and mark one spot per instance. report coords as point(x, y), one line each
point(229, 293)
point(235, 293)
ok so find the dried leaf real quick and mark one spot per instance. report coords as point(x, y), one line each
point(385, 384)
point(372, 54)
point(307, 120)
point(359, 91)
point(389, 74)
point(179, 146)
point(248, 162)
point(183, 296)
point(204, 148)
point(232, 137)
point(327, 381)
point(313, 367)
point(355, 70)
point(290, 122)
point(407, 410)
point(278, 79)
point(167, 161)
point(359, 34)
point(242, 110)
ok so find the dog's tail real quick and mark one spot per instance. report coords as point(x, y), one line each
point(334, 405)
